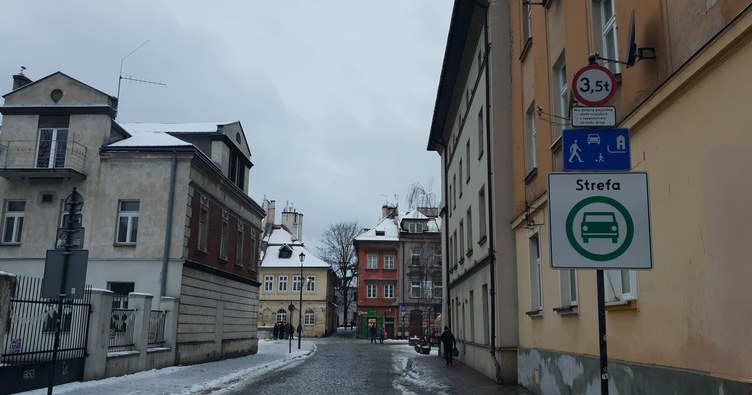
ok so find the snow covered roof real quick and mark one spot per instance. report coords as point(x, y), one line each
point(280, 239)
point(386, 230)
point(146, 134)
point(151, 139)
point(281, 235)
point(202, 127)
point(433, 224)
point(414, 214)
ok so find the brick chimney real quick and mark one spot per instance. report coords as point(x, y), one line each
point(20, 80)
point(388, 211)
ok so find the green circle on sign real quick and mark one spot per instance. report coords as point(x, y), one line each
point(591, 255)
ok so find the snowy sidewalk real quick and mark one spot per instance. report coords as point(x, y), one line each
point(210, 377)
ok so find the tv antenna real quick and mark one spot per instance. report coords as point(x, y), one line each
point(129, 78)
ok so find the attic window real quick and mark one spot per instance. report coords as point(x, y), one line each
point(237, 138)
point(380, 233)
point(285, 252)
point(415, 227)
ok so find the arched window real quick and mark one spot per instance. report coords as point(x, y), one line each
point(309, 317)
point(281, 315)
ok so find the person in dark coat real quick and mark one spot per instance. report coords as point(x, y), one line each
point(275, 331)
point(372, 332)
point(290, 331)
point(448, 342)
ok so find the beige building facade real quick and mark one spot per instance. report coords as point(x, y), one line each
point(284, 262)
point(675, 328)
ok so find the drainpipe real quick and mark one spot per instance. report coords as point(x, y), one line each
point(489, 201)
point(168, 227)
point(447, 311)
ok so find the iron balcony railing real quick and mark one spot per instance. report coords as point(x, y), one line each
point(42, 156)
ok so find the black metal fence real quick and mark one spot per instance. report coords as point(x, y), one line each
point(31, 333)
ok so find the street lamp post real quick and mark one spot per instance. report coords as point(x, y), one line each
point(300, 310)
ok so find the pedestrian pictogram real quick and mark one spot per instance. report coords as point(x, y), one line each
point(596, 149)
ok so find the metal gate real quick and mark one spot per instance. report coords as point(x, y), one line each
point(27, 350)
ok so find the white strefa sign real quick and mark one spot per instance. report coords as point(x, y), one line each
point(599, 221)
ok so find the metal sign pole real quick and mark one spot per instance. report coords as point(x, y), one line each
point(72, 206)
point(602, 332)
point(74, 203)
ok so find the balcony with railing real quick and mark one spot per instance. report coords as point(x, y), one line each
point(20, 159)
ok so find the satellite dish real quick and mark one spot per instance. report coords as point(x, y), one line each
point(631, 45)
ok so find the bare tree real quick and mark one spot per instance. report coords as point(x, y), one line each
point(421, 196)
point(337, 249)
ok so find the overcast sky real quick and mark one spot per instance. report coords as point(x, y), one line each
point(335, 96)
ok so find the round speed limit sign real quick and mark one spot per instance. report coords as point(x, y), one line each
point(594, 85)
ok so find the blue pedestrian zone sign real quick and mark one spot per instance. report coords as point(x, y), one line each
point(596, 149)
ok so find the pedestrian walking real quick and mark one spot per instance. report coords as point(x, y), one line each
point(382, 333)
point(372, 333)
point(275, 331)
point(290, 331)
point(448, 343)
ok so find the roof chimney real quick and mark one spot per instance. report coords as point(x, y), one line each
point(388, 211)
point(20, 80)
point(293, 221)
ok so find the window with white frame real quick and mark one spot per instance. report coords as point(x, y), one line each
point(282, 284)
point(568, 285)
point(467, 167)
point(371, 291)
point(389, 291)
point(223, 240)
point(469, 229)
point(531, 161)
point(372, 261)
point(560, 97)
point(203, 228)
point(128, 221)
point(389, 262)
point(415, 253)
point(461, 183)
point(481, 135)
point(455, 258)
point(415, 227)
point(268, 283)
point(450, 246)
point(296, 283)
point(311, 284)
point(309, 317)
point(527, 22)
point(13, 221)
point(482, 212)
point(454, 196)
point(462, 238)
point(604, 15)
point(281, 315)
point(438, 289)
point(620, 285)
point(415, 289)
point(239, 242)
point(536, 288)
point(52, 147)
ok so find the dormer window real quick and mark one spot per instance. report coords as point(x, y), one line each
point(380, 233)
point(285, 252)
point(415, 227)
